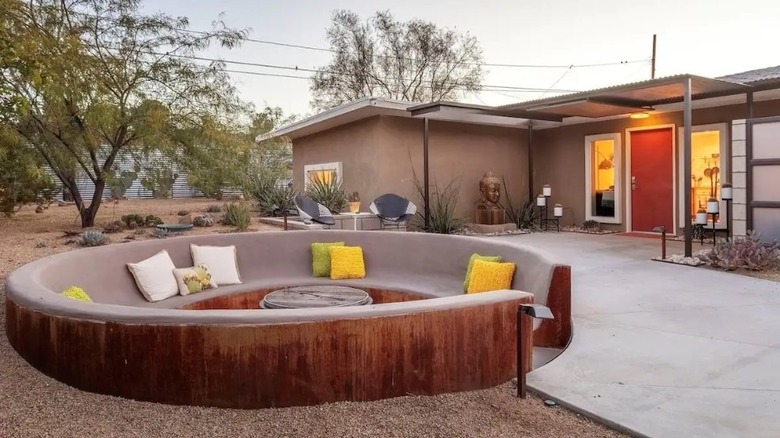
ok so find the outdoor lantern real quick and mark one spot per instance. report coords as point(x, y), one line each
point(713, 206)
point(726, 192)
point(558, 210)
point(701, 217)
point(547, 190)
point(541, 201)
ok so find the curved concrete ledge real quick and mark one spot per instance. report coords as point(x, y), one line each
point(170, 352)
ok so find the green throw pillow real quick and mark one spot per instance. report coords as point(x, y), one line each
point(321, 258)
point(76, 293)
point(496, 259)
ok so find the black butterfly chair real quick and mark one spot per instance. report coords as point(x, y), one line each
point(311, 211)
point(392, 210)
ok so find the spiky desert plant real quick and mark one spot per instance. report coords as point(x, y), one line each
point(237, 215)
point(747, 252)
point(214, 208)
point(93, 237)
point(277, 201)
point(114, 227)
point(328, 193)
point(152, 220)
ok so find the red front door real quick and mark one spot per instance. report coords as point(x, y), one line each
point(652, 181)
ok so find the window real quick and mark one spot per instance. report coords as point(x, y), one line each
point(708, 168)
point(324, 172)
point(602, 178)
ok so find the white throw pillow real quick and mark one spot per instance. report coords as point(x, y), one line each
point(221, 261)
point(194, 279)
point(154, 276)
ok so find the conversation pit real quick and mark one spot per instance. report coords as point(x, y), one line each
point(419, 335)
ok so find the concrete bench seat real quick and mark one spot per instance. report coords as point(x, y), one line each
point(230, 353)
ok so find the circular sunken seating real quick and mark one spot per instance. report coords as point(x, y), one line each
point(422, 335)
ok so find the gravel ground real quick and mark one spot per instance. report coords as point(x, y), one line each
point(33, 405)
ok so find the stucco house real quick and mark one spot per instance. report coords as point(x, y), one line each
point(617, 155)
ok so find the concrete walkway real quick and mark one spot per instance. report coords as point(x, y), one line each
point(664, 350)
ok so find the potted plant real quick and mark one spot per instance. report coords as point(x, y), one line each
point(354, 202)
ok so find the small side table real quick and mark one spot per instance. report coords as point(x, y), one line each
point(355, 218)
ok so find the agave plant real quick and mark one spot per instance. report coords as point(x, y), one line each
point(747, 252)
point(93, 237)
point(329, 193)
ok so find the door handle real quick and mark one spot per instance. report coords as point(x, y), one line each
point(633, 182)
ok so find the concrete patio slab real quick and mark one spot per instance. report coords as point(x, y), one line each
point(664, 350)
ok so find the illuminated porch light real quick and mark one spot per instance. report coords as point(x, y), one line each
point(640, 115)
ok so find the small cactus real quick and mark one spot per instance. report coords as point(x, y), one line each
point(153, 221)
point(114, 227)
point(183, 212)
point(93, 238)
point(133, 221)
point(203, 221)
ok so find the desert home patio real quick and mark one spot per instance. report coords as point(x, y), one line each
point(632, 157)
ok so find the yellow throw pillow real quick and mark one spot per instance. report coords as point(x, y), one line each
point(487, 276)
point(346, 262)
point(76, 293)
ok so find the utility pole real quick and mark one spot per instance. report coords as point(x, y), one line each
point(652, 68)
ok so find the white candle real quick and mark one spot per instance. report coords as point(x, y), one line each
point(713, 206)
point(541, 201)
point(547, 190)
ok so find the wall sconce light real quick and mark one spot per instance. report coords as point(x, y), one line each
point(541, 201)
point(713, 206)
point(640, 115)
point(546, 190)
point(726, 192)
point(701, 217)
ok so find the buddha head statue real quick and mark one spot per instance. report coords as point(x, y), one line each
point(490, 186)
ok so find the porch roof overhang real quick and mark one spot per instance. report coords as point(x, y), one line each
point(628, 98)
point(479, 114)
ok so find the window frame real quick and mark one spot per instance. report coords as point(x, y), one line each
point(618, 166)
point(335, 166)
point(725, 167)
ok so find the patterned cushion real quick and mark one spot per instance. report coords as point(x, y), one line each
point(76, 293)
point(321, 258)
point(194, 279)
point(495, 259)
point(487, 276)
point(346, 262)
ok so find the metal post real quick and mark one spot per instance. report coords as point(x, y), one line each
point(687, 121)
point(426, 194)
point(530, 163)
point(728, 219)
point(663, 244)
point(652, 68)
point(521, 384)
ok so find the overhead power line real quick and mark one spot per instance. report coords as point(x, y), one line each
point(484, 64)
point(309, 70)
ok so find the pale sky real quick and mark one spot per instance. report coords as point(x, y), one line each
point(705, 37)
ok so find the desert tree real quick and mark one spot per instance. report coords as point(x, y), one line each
point(413, 61)
point(90, 81)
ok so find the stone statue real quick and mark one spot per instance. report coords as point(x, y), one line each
point(490, 186)
point(489, 211)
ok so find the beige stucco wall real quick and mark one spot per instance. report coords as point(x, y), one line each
point(559, 153)
point(379, 153)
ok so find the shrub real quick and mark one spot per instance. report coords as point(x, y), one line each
point(152, 221)
point(591, 225)
point(22, 177)
point(93, 238)
point(183, 212)
point(747, 252)
point(237, 215)
point(443, 202)
point(133, 220)
point(276, 201)
point(114, 227)
point(214, 208)
point(328, 193)
point(260, 183)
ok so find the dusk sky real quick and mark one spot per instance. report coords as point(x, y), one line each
point(705, 37)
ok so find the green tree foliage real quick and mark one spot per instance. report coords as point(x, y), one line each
point(87, 81)
point(22, 178)
point(381, 57)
